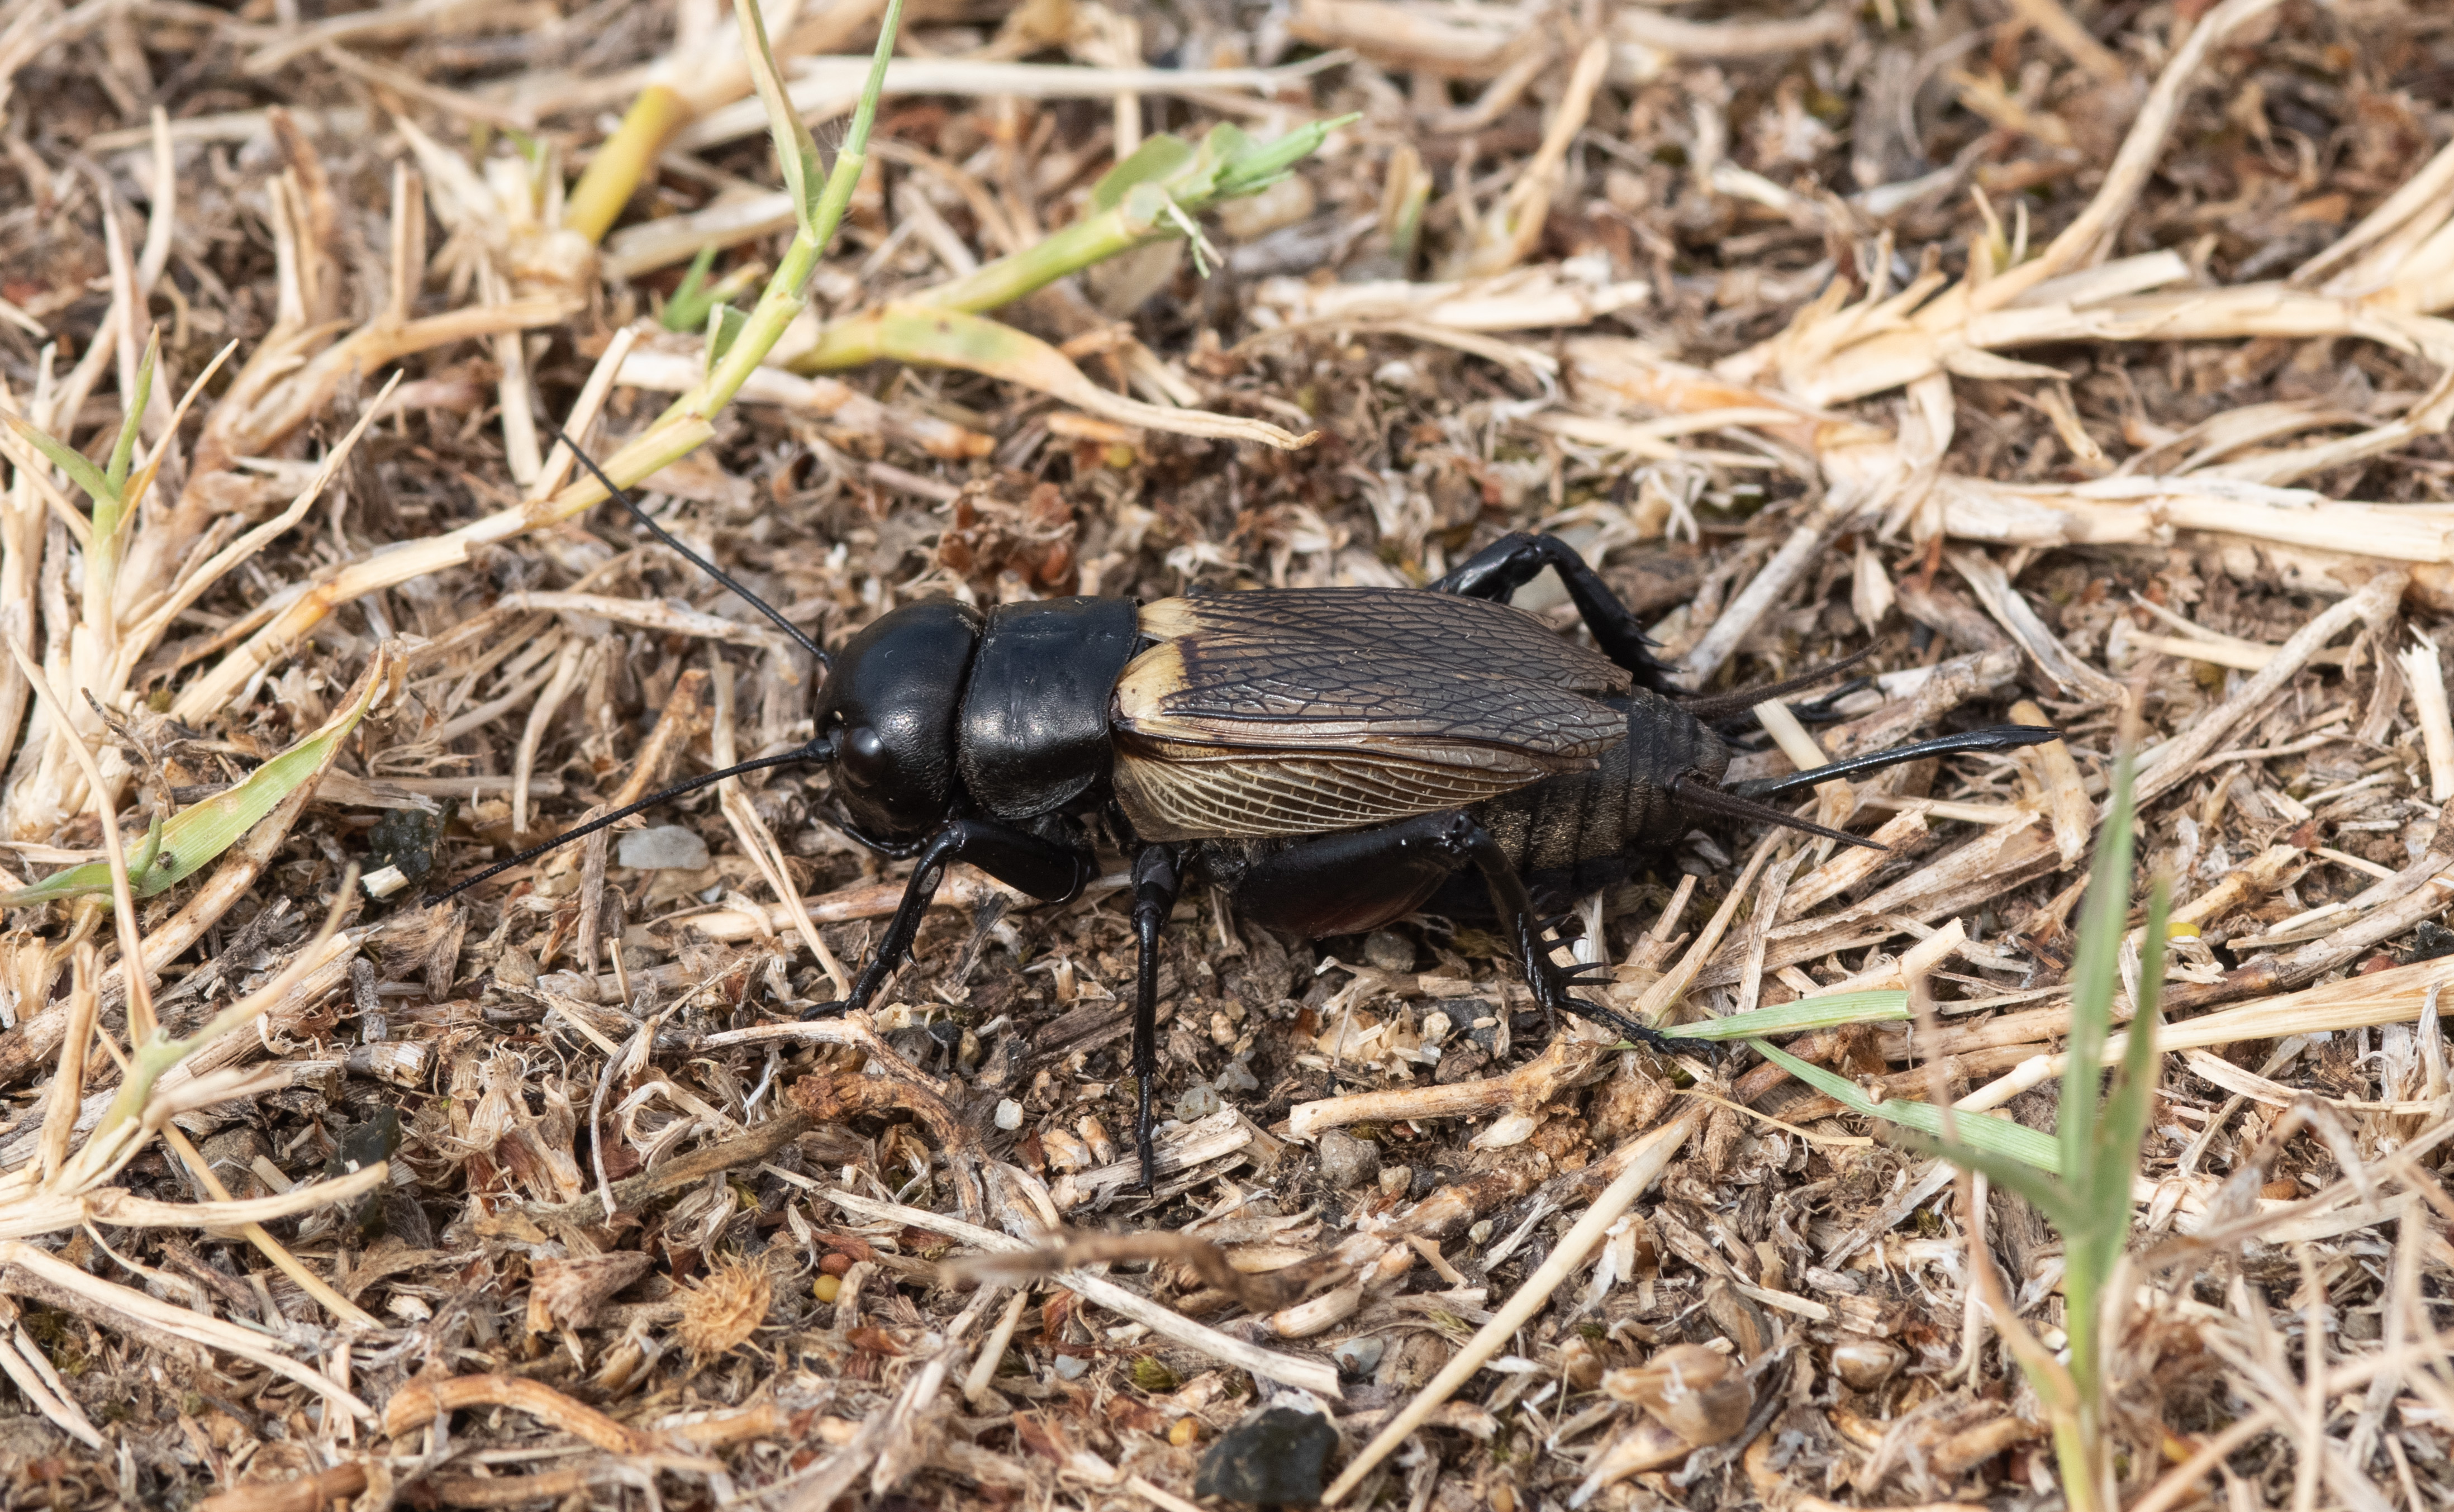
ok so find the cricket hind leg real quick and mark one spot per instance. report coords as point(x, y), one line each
point(1550, 981)
point(1515, 559)
point(1359, 879)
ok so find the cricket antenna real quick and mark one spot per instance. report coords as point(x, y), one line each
point(815, 753)
point(1993, 738)
point(816, 652)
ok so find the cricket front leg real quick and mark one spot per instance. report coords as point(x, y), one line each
point(1156, 883)
point(1042, 868)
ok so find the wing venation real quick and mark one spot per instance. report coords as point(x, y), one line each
point(1300, 711)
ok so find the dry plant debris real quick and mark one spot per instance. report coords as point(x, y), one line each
point(2090, 361)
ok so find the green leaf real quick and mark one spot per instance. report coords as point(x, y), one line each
point(686, 311)
point(724, 325)
point(1156, 160)
point(796, 152)
point(1889, 1006)
point(1255, 166)
point(2115, 1159)
point(142, 861)
point(2042, 1192)
point(82, 472)
point(2096, 974)
point(1990, 1136)
point(202, 831)
point(124, 452)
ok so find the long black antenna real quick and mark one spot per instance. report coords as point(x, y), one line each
point(815, 752)
point(817, 651)
point(1993, 738)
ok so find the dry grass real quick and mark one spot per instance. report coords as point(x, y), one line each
point(2091, 359)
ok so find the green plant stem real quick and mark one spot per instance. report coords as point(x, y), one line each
point(851, 343)
point(2077, 1435)
point(786, 291)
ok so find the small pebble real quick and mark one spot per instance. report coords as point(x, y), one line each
point(1866, 1363)
point(1346, 1161)
point(515, 967)
point(1480, 1234)
point(1387, 950)
point(1459, 1062)
point(1436, 1027)
point(1276, 1456)
point(1252, 217)
point(1008, 1115)
point(666, 848)
point(1200, 1102)
point(1395, 1178)
point(1357, 1357)
point(1071, 1368)
point(1239, 1077)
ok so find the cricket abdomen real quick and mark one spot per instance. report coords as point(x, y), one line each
point(1581, 831)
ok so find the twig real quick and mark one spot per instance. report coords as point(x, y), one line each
point(1562, 1064)
point(632, 1192)
point(1313, 1375)
point(421, 1402)
point(2426, 676)
point(307, 1493)
point(1654, 1152)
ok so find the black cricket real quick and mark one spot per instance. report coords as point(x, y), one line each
point(1334, 758)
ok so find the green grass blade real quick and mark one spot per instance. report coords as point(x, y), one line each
point(1161, 156)
point(123, 452)
point(796, 152)
point(2042, 1192)
point(830, 210)
point(1247, 167)
point(2096, 975)
point(1885, 1007)
point(724, 327)
point(1988, 1136)
point(2115, 1156)
point(82, 472)
point(687, 310)
point(200, 833)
